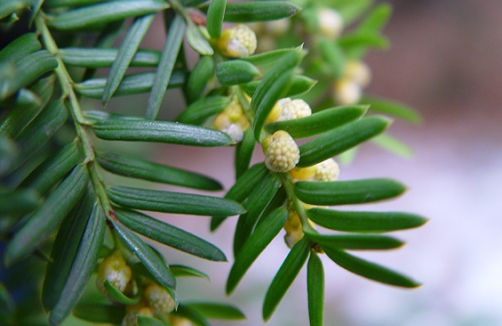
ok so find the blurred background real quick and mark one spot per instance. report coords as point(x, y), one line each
point(445, 62)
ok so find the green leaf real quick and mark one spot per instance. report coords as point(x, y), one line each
point(243, 188)
point(166, 65)
point(25, 100)
point(393, 108)
point(354, 242)
point(265, 232)
point(236, 72)
point(150, 321)
point(43, 127)
point(26, 107)
point(27, 70)
point(102, 13)
point(141, 169)
point(100, 313)
point(69, 3)
point(271, 89)
point(64, 249)
point(315, 290)
point(192, 3)
point(120, 297)
point(97, 115)
point(215, 14)
point(199, 77)
point(277, 91)
point(298, 85)
point(173, 202)
point(53, 169)
point(6, 302)
point(364, 221)
point(353, 9)
point(83, 265)
point(213, 310)
point(279, 200)
point(317, 92)
point(288, 61)
point(243, 153)
point(107, 37)
point(378, 18)
point(8, 153)
point(8, 7)
point(247, 182)
point(181, 271)
point(169, 235)
point(159, 131)
point(319, 122)
point(393, 145)
point(246, 12)
point(150, 259)
point(285, 277)
point(35, 9)
point(125, 55)
point(199, 111)
point(196, 318)
point(347, 192)
point(363, 39)
point(241, 234)
point(45, 219)
point(369, 270)
point(104, 58)
point(44, 88)
point(19, 202)
point(197, 41)
point(334, 56)
point(270, 57)
point(20, 47)
point(131, 84)
point(260, 197)
point(341, 139)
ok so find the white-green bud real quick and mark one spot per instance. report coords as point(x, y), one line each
point(237, 42)
point(159, 300)
point(132, 313)
point(347, 92)
point(281, 152)
point(293, 109)
point(114, 270)
point(277, 27)
point(327, 170)
point(330, 23)
point(358, 72)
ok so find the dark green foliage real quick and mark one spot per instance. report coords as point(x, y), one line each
point(169, 235)
point(315, 290)
point(368, 269)
point(347, 192)
point(58, 206)
point(338, 140)
point(215, 15)
point(141, 169)
point(259, 11)
point(364, 221)
point(285, 277)
point(256, 243)
point(159, 131)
